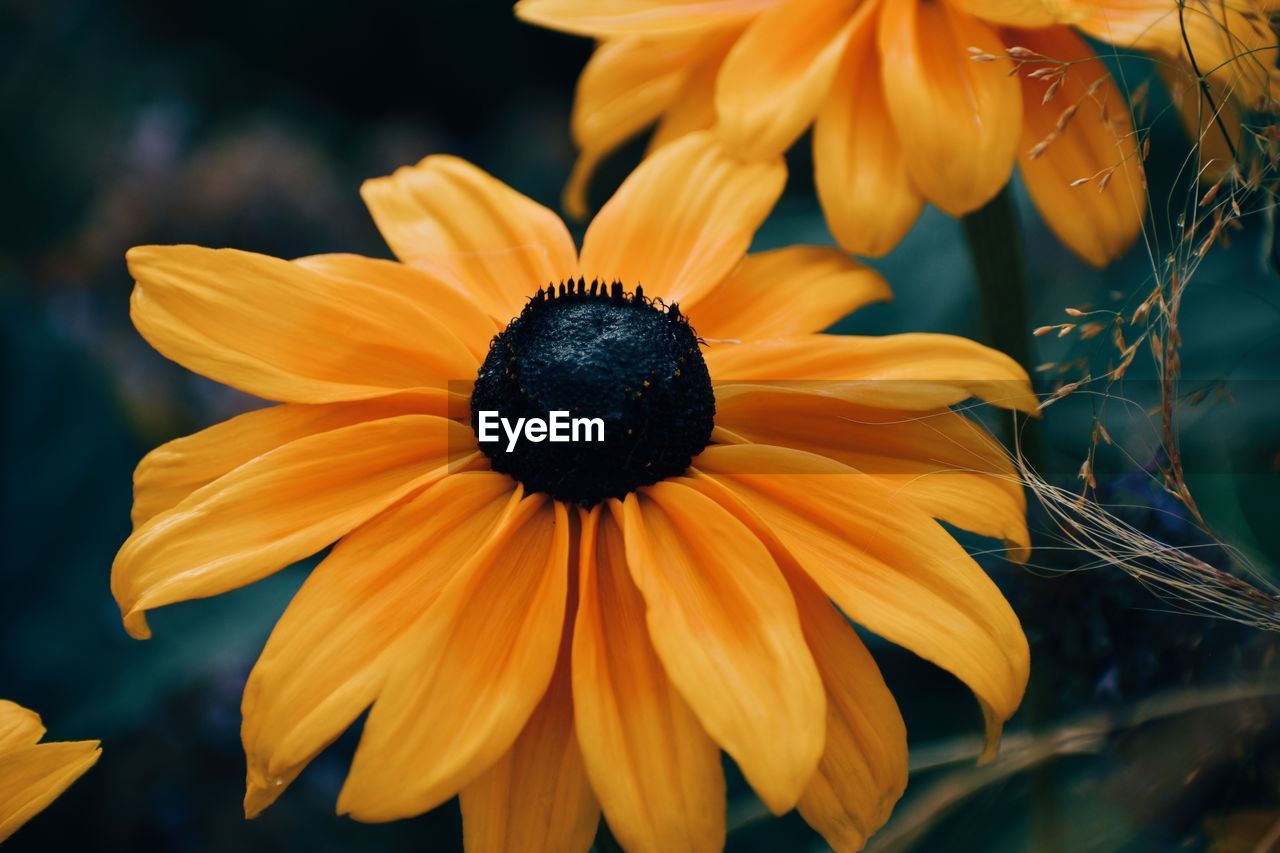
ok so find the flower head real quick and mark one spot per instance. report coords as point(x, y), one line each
point(912, 101)
point(550, 632)
point(34, 774)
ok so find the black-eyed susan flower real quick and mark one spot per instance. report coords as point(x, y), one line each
point(910, 101)
point(552, 629)
point(34, 774)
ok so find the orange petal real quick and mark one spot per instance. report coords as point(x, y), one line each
point(536, 797)
point(284, 332)
point(858, 165)
point(914, 371)
point(331, 650)
point(957, 120)
point(788, 292)
point(625, 87)
point(446, 213)
point(863, 770)
point(469, 676)
point(19, 726)
point(32, 777)
point(725, 627)
point(1018, 13)
point(1209, 130)
point(694, 107)
point(779, 72)
point(1100, 219)
point(652, 765)
point(166, 475)
point(681, 222)
point(279, 508)
point(636, 17)
point(938, 461)
point(889, 567)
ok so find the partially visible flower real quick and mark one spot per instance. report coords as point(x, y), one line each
point(559, 629)
point(911, 101)
point(34, 774)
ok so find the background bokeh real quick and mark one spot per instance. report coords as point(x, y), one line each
point(251, 124)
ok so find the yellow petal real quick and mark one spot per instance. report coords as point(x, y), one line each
point(681, 222)
point(446, 213)
point(625, 87)
point(1018, 13)
point(471, 673)
point(1209, 130)
point(635, 17)
point(913, 371)
point(331, 650)
point(1100, 219)
point(284, 332)
point(279, 508)
point(939, 461)
point(863, 770)
point(725, 627)
point(694, 106)
point(787, 291)
point(32, 777)
point(889, 567)
point(957, 120)
point(19, 726)
point(1231, 40)
point(858, 164)
point(656, 771)
point(779, 72)
point(166, 475)
point(536, 797)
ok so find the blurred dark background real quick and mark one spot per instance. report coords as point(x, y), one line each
point(252, 124)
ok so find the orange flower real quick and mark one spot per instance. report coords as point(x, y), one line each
point(34, 774)
point(590, 629)
point(911, 101)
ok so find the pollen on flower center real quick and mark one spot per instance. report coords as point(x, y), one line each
point(596, 351)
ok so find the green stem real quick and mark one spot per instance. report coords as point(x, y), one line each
point(994, 235)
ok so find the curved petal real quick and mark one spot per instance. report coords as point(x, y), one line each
point(1212, 133)
point(19, 726)
point(446, 213)
point(1098, 220)
point(938, 461)
point(469, 676)
point(890, 568)
point(330, 652)
point(682, 221)
point(635, 17)
point(694, 107)
point(725, 627)
point(863, 770)
point(859, 167)
point(536, 797)
point(171, 472)
point(656, 771)
point(279, 508)
point(788, 291)
point(284, 332)
point(1019, 13)
point(777, 75)
point(625, 87)
point(957, 120)
point(32, 777)
point(913, 371)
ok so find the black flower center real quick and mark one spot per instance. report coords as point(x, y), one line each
point(593, 392)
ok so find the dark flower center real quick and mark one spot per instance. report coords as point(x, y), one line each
point(593, 392)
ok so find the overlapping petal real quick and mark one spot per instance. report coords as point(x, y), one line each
point(19, 726)
point(725, 627)
point(656, 771)
point(471, 673)
point(889, 567)
point(627, 17)
point(788, 291)
point(33, 774)
point(446, 213)
point(279, 508)
point(859, 166)
point(682, 221)
point(1019, 13)
point(329, 654)
point(957, 120)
